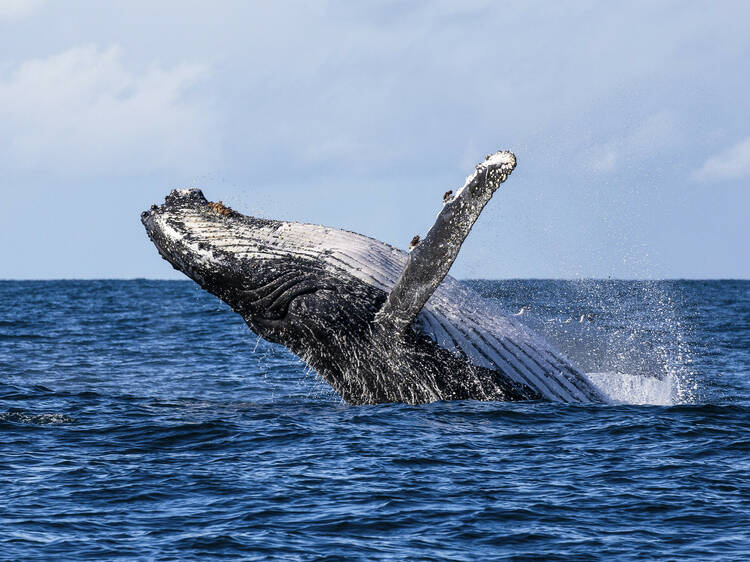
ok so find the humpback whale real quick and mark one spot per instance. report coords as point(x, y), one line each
point(376, 323)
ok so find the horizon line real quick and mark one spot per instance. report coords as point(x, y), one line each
point(33, 279)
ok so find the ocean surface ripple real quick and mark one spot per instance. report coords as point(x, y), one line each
point(142, 419)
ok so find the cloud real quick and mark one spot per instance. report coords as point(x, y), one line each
point(83, 112)
point(647, 139)
point(16, 9)
point(602, 159)
point(730, 164)
point(656, 133)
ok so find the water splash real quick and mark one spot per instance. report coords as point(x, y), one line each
point(622, 388)
point(34, 419)
point(630, 336)
point(633, 333)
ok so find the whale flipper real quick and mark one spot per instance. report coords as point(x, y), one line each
point(431, 259)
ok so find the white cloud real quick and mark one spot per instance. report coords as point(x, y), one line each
point(647, 139)
point(730, 164)
point(654, 134)
point(602, 159)
point(83, 112)
point(15, 9)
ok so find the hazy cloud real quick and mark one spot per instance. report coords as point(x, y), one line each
point(730, 164)
point(13, 9)
point(645, 140)
point(83, 111)
point(603, 159)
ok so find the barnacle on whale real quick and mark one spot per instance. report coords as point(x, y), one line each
point(220, 208)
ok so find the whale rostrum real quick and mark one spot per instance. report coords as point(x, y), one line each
point(377, 323)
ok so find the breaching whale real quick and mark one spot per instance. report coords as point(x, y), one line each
point(375, 322)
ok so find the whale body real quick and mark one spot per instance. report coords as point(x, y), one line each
point(377, 323)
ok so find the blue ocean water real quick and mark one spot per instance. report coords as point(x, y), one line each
point(142, 419)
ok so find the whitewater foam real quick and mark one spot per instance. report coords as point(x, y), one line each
point(622, 388)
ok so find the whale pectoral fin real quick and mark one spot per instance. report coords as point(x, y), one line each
point(431, 259)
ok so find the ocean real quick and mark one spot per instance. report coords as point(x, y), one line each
point(143, 420)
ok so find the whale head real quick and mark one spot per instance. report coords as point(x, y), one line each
point(270, 272)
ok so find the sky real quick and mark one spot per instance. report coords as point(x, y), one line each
point(630, 122)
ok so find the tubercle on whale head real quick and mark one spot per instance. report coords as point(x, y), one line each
point(188, 197)
point(176, 198)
